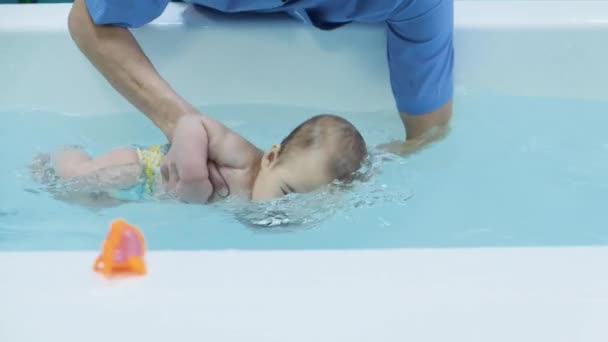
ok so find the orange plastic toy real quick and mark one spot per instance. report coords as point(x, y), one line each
point(123, 251)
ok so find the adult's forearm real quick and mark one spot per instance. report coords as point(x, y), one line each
point(421, 130)
point(418, 126)
point(117, 55)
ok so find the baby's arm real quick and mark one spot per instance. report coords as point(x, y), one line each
point(229, 149)
point(189, 145)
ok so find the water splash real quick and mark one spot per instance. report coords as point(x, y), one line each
point(306, 211)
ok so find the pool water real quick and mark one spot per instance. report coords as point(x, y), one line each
point(513, 172)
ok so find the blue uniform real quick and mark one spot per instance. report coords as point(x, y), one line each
point(419, 44)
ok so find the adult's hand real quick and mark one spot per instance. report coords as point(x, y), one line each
point(170, 173)
point(421, 130)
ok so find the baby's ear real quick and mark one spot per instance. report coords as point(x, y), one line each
point(270, 158)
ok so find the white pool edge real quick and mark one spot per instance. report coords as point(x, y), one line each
point(497, 294)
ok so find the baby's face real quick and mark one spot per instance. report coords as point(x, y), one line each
point(301, 172)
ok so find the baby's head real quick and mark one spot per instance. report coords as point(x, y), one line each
point(322, 149)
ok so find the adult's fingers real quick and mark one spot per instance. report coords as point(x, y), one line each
point(169, 173)
point(217, 180)
point(173, 175)
point(168, 170)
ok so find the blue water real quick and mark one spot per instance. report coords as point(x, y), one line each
point(513, 172)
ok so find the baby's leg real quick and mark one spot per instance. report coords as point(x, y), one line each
point(116, 169)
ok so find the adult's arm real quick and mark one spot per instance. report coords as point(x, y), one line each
point(420, 57)
point(100, 29)
point(116, 54)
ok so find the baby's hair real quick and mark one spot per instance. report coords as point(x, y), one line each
point(348, 147)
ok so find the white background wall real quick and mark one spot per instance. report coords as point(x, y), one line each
point(538, 48)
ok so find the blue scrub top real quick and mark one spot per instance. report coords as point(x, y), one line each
point(419, 43)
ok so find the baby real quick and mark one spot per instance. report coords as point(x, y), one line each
point(321, 149)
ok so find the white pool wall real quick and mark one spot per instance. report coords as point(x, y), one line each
point(526, 48)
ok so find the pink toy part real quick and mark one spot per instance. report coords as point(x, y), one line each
point(123, 251)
